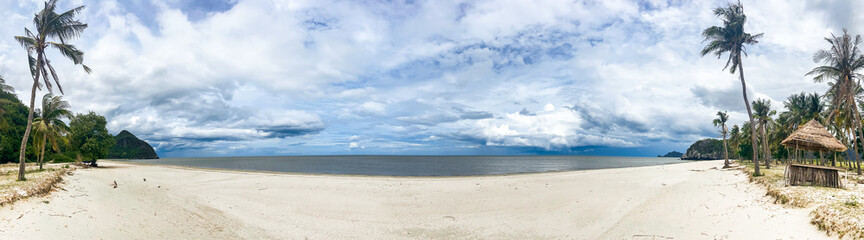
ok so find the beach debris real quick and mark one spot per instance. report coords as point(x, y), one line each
point(22, 215)
point(261, 189)
point(652, 236)
point(80, 195)
point(145, 179)
point(115, 184)
point(450, 217)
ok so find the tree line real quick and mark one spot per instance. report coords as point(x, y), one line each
point(58, 135)
point(42, 132)
point(759, 138)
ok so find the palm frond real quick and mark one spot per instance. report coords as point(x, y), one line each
point(69, 51)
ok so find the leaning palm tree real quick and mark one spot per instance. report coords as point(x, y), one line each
point(731, 38)
point(842, 62)
point(49, 126)
point(52, 30)
point(763, 113)
point(720, 121)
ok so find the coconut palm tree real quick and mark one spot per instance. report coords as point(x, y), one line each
point(842, 62)
point(52, 30)
point(720, 121)
point(49, 126)
point(8, 89)
point(734, 136)
point(731, 38)
point(4, 87)
point(801, 108)
point(763, 113)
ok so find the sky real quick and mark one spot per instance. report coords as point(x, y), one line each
point(321, 77)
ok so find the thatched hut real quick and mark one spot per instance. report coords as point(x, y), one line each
point(814, 137)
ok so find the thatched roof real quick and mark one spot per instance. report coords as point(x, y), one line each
point(813, 136)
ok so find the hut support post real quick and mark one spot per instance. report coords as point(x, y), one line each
point(821, 160)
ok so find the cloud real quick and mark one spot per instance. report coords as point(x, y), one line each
point(551, 130)
point(303, 77)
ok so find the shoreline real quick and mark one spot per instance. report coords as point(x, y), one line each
point(374, 176)
point(684, 201)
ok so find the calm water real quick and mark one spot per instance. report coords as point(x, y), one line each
point(415, 165)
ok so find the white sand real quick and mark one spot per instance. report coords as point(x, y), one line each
point(680, 201)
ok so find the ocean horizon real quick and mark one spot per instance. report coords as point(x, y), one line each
point(414, 165)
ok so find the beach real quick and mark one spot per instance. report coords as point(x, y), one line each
point(692, 200)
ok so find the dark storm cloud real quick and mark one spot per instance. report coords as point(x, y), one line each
point(604, 121)
point(728, 99)
point(290, 131)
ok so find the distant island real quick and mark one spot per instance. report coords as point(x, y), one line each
point(130, 147)
point(673, 154)
point(705, 149)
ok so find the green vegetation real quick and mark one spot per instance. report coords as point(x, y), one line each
point(89, 136)
point(49, 126)
point(837, 109)
point(731, 38)
point(130, 147)
point(837, 210)
point(52, 30)
point(675, 154)
point(705, 149)
point(13, 120)
point(720, 121)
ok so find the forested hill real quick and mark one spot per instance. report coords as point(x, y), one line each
point(130, 147)
point(674, 154)
point(705, 149)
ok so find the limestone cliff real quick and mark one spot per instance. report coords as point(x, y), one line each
point(705, 149)
point(130, 147)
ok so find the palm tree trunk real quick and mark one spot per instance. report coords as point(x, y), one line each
point(750, 115)
point(857, 124)
point(766, 153)
point(21, 154)
point(42, 154)
point(725, 148)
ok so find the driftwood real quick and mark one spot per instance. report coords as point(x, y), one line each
point(804, 174)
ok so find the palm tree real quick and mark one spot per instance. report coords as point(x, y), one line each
point(801, 108)
point(8, 89)
point(4, 88)
point(720, 121)
point(49, 26)
point(763, 114)
point(731, 38)
point(842, 62)
point(734, 135)
point(48, 125)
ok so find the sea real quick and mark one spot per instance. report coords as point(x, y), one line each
point(389, 165)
